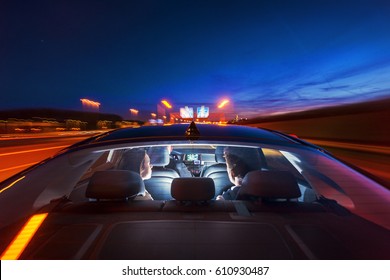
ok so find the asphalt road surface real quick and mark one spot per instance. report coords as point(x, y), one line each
point(371, 158)
point(18, 153)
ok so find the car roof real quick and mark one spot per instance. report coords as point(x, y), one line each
point(192, 132)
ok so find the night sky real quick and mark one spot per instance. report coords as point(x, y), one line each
point(265, 56)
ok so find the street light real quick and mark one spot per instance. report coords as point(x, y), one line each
point(134, 112)
point(166, 103)
point(89, 103)
point(161, 110)
point(223, 103)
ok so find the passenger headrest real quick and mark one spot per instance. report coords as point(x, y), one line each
point(269, 184)
point(115, 184)
point(193, 189)
point(250, 156)
point(159, 156)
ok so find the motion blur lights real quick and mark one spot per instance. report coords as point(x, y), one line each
point(85, 101)
point(20, 242)
point(13, 183)
point(134, 111)
point(223, 103)
point(166, 103)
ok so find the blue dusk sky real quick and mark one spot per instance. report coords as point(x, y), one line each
point(267, 57)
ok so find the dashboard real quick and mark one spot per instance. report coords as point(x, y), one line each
point(193, 158)
point(194, 163)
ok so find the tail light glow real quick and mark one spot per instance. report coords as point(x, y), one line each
point(20, 242)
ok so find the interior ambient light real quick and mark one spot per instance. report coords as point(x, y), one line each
point(17, 246)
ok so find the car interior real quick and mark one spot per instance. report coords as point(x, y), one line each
point(206, 161)
point(113, 213)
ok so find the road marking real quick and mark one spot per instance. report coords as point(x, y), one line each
point(19, 166)
point(32, 151)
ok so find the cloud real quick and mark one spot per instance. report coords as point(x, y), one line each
point(333, 83)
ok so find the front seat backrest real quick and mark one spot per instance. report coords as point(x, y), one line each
point(159, 185)
point(218, 172)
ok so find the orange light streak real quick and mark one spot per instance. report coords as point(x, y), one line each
point(33, 150)
point(166, 103)
point(13, 183)
point(20, 242)
point(88, 102)
point(223, 103)
point(18, 167)
point(134, 111)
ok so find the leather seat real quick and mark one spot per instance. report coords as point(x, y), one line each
point(159, 185)
point(218, 172)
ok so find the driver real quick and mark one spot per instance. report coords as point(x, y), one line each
point(236, 169)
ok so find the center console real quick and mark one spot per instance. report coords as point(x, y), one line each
point(193, 163)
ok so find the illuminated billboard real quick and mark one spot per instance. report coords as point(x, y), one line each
point(187, 112)
point(202, 112)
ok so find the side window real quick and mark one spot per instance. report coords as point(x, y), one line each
point(277, 161)
point(101, 160)
point(102, 163)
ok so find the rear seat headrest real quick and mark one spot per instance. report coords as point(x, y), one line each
point(193, 189)
point(132, 159)
point(115, 184)
point(270, 184)
point(159, 156)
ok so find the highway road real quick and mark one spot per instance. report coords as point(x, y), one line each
point(18, 153)
point(373, 159)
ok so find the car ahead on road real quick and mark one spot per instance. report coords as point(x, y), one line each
point(155, 193)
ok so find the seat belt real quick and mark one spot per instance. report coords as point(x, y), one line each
point(183, 171)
